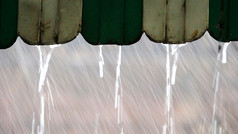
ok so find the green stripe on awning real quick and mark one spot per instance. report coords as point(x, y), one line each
point(112, 21)
point(8, 22)
point(119, 21)
point(223, 20)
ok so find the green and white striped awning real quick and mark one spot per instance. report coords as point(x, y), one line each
point(122, 22)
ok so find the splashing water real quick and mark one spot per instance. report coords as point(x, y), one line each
point(101, 61)
point(44, 65)
point(217, 127)
point(172, 54)
point(118, 93)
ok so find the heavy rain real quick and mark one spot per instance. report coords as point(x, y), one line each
point(144, 88)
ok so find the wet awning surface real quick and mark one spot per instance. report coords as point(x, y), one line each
point(120, 22)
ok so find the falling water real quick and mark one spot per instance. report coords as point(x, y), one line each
point(172, 55)
point(45, 57)
point(118, 93)
point(224, 52)
point(174, 68)
point(33, 124)
point(117, 77)
point(96, 124)
point(44, 64)
point(50, 92)
point(217, 127)
point(101, 61)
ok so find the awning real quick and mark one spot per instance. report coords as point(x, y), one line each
point(122, 22)
point(44, 22)
point(8, 22)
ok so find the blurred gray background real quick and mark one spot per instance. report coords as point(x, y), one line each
point(84, 102)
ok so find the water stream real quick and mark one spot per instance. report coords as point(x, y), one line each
point(217, 115)
point(45, 54)
point(172, 58)
point(119, 93)
point(101, 61)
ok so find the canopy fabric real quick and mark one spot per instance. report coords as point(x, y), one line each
point(44, 22)
point(223, 21)
point(121, 22)
point(112, 21)
point(175, 21)
point(8, 22)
